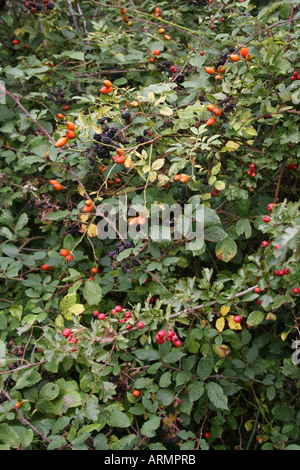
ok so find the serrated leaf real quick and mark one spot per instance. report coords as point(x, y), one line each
point(216, 395)
point(92, 292)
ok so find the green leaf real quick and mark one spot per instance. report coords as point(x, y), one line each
point(216, 395)
point(255, 318)
point(118, 419)
point(9, 436)
point(149, 427)
point(92, 292)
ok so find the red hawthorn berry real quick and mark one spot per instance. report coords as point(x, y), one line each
point(296, 290)
point(264, 244)
point(287, 271)
point(101, 316)
point(266, 218)
point(161, 333)
point(177, 343)
point(140, 325)
point(257, 290)
point(259, 302)
point(66, 332)
point(113, 311)
point(202, 53)
point(129, 326)
point(118, 308)
point(136, 393)
point(95, 313)
point(276, 272)
point(237, 319)
point(207, 435)
point(270, 206)
point(277, 247)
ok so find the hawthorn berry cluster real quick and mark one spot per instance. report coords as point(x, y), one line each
point(295, 76)
point(125, 317)
point(170, 336)
point(37, 6)
point(291, 166)
point(252, 170)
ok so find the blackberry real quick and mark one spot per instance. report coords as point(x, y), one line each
point(105, 128)
point(106, 140)
point(168, 63)
point(50, 6)
point(98, 137)
point(126, 116)
point(2, 281)
point(135, 262)
point(114, 129)
point(31, 207)
point(101, 121)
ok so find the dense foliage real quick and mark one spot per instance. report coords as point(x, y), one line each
point(133, 342)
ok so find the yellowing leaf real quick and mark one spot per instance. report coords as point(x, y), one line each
point(284, 336)
point(232, 324)
point(221, 350)
point(220, 323)
point(92, 231)
point(169, 421)
point(81, 191)
point(224, 310)
point(230, 145)
point(84, 217)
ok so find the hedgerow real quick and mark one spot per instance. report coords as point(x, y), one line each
point(138, 342)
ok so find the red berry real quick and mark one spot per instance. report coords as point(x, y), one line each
point(129, 326)
point(177, 343)
point(118, 308)
point(101, 316)
point(95, 313)
point(296, 290)
point(66, 332)
point(276, 272)
point(237, 319)
point(270, 206)
point(264, 244)
point(266, 218)
point(259, 302)
point(287, 271)
point(201, 52)
point(45, 267)
point(281, 272)
point(161, 333)
point(207, 435)
point(113, 311)
point(257, 290)
point(140, 325)
point(277, 247)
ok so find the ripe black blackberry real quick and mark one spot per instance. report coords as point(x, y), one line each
point(106, 140)
point(101, 121)
point(50, 6)
point(126, 116)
